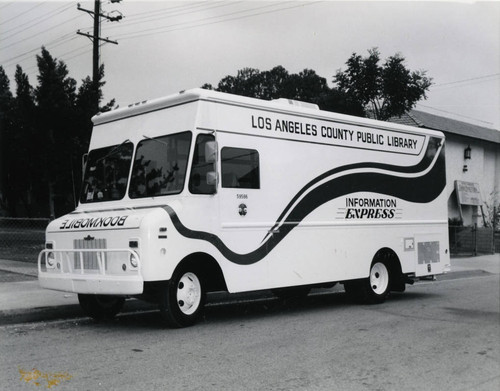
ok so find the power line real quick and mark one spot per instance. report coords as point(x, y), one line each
point(77, 55)
point(189, 8)
point(57, 42)
point(131, 21)
point(256, 11)
point(38, 34)
point(37, 20)
point(167, 29)
point(183, 8)
point(474, 79)
point(458, 115)
point(96, 38)
point(24, 13)
point(162, 29)
point(83, 49)
point(48, 15)
point(189, 5)
point(6, 5)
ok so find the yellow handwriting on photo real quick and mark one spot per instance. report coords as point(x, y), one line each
point(38, 378)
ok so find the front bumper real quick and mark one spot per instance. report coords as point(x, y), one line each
point(91, 271)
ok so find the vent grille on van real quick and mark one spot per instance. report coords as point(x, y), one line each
point(90, 259)
point(296, 103)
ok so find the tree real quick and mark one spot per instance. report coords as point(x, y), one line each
point(386, 91)
point(276, 83)
point(23, 171)
point(308, 86)
point(5, 93)
point(87, 105)
point(247, 82)
point(88, 100)
point(43, 133)
point(55, 98)
point(5, 111)
point(64, 122)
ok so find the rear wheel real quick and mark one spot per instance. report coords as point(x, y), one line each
point(379, 280)
point(183, 298)
point(100, 307)
point(375, 288)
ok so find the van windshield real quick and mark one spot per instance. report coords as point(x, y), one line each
point(160, 165)
point(106, 173)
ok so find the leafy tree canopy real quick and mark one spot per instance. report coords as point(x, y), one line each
point(44, 131)
point(5, 94)
point(384, 90)
point(56, 90)
point(276, 83)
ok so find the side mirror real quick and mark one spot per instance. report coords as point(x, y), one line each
point(211, 151)
point(212, 179)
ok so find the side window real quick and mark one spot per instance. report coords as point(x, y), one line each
point(240, 168)
point(198, 183)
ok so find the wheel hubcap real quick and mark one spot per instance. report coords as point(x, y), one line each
point(379, 278)
point(189, 293)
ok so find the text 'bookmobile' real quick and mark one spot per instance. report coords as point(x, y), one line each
point(205, 191)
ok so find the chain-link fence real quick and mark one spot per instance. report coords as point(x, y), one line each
point(473, 240)
point(22, 239)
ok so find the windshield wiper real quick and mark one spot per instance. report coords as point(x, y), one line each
point(113, 151)
point(154, 139)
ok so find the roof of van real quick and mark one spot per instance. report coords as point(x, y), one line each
point(194, 95)
point(279, 105)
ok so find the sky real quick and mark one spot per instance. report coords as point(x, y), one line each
point(167, 46)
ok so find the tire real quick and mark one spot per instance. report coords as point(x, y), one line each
point(183, 299)
point(379, 283)
point(101, 307)
point(371, 290)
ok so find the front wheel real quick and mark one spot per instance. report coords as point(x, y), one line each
point(371, 290)
point(100, 307)
point(182, 299)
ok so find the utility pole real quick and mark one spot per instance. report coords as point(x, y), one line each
point(95, 37)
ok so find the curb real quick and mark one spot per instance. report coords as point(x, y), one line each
point(32, 271)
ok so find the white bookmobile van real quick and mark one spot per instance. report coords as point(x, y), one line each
point(206, 191)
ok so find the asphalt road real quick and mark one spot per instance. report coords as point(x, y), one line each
point(442, 335)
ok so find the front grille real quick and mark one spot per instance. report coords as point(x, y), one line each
point(90, 259)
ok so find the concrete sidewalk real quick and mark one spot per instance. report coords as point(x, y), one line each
point(18, 267)
point(487, 263)
point(27, 295)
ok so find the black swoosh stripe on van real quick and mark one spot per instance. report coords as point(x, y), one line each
point(422, 189)
point(425, 162)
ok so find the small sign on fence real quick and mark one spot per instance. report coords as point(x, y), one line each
point(468, 193)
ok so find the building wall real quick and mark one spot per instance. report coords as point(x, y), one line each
point(482, 168)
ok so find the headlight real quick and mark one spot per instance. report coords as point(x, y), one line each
point(50, 259)
point(134, 245)
point(133, 260)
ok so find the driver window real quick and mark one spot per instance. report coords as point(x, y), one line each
point(200, 168)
